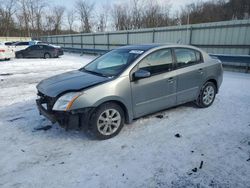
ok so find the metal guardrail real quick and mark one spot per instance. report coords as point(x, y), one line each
point(85, 50)
point(238, 62)
point(227, 37)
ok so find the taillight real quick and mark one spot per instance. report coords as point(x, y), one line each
point(2, 50)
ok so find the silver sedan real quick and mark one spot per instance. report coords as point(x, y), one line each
point(127, 83)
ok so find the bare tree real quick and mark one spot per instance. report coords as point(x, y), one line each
point(84, 10)
point(48, 25)
point(155, 15)
point(121, 17)
point(7, 10)
point(103, 18)
point(137, 11)
point(70, 19)
point(34, 17)
point(58, 12)
point(36, 10)
point(23, 13)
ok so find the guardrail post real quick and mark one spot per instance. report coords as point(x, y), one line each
point(81, 41)
point(93, 40)
point(128, 38)
point(108, 40)
point(72, 43)
point(153, 36)
point(63, 40)
point(190, 35)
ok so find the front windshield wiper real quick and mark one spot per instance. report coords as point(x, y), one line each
point(93, 72)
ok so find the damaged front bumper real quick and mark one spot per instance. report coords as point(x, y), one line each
point(74, 119)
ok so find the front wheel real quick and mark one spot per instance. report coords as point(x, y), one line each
point(19, 55)
point(107, 121)
point(207, 95)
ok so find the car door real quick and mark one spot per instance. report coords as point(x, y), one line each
point(156, 92)
point(190, 74)
point(40, 51)
point(31, 51)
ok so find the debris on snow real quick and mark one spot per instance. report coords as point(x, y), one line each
point(214, 131)
point(177, 135)
point(44, 128)
point(160, 116)
point(201, 165)
point(6, 74)
point(194, 169)
point(123, 146)
point(14, 119)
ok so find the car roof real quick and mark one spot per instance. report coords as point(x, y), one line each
point(146, 47)
point(143, 47)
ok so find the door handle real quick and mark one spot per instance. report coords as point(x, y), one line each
point(200, 71)
point(171, 80)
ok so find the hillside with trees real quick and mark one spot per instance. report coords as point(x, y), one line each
point(34, 18)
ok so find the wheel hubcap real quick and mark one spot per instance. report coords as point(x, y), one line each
point(208, 95)
point(109, 121)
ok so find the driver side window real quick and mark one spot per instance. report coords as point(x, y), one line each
point(158, 62)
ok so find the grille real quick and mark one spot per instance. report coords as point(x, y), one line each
point(48, 101)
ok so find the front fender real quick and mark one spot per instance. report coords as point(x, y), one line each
point(116, 90)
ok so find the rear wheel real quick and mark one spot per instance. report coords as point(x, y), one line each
point(207, 95)
point(47, 55)
point(107, 121)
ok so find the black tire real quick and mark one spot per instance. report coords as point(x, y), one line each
point(19, 56)
point(47, 55)
point(97, 116)
point(202, 101)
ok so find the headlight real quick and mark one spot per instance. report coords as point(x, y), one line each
point(65, 102)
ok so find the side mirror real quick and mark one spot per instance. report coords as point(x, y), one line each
point(139, 74)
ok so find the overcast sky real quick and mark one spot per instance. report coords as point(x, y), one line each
point(176, 4)
point(69, 4)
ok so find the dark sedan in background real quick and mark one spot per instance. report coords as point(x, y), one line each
point(40, 51)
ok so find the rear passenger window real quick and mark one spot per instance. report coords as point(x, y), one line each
point(34, 47)
point(186, 57)
point(157, 62)
point(40, 47)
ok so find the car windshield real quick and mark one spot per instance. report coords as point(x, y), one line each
point(112, 63)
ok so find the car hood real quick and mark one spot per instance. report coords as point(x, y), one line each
point(69, 81)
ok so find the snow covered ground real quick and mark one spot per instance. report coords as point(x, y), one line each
point(145, 154)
